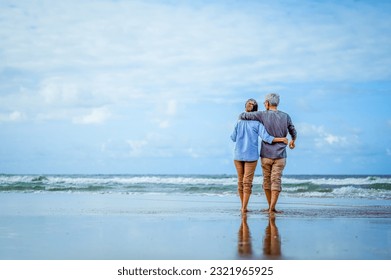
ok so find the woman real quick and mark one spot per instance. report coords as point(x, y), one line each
point(246, 153)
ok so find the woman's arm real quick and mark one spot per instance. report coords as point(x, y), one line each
point(234, 133)
point(281, 139)
point(268, 138)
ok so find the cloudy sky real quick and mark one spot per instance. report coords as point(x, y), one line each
point(156, 86)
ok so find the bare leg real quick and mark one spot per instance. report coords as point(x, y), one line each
point(246, 198)
point(267, 171)
point(273, 201)
point(240, 170)
point(276, 174)
point(249, 170)
point(241, 198)
point(268, 198)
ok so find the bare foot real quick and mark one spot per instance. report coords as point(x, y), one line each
point(275, 211)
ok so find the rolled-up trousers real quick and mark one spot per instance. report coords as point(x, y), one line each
point(246, 171)
point(272, 172)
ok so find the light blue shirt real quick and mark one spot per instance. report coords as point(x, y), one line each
point(245, 136)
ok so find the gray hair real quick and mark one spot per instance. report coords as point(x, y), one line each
point(273, 99)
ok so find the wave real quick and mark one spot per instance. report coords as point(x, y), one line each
point(374, 187)
point(339, 180)
point(193, 179)
point(121, 180)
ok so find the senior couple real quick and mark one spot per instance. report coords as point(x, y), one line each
point(272, 126)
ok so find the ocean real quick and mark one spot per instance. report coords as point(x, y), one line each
point(317, 186)
point(192, 217)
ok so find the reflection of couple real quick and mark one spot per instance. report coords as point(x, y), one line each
point(271, 240)
point(254, 124)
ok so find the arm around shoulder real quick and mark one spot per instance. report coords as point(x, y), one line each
point(281, 139)
point(254, 116)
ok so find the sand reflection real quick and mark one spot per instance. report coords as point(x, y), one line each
point(272, 240)
point(244, 239)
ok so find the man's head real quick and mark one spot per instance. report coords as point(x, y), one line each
point(272, 99)
point(251, 105)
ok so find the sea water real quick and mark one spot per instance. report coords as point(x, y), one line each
point(190, 217)
point(298, 186)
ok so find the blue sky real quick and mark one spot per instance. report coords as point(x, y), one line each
point(156, 86)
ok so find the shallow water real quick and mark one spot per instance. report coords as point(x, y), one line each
point(153, 226)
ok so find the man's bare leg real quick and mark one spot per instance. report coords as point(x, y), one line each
point(273, 202)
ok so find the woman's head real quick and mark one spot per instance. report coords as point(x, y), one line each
point(251, 105)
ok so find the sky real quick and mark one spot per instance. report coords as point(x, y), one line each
point(156, 87)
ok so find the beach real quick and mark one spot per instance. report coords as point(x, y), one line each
point(161, 226)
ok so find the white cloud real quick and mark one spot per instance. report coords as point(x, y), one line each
point(324, 138)
point(152, 63)
point(163, 123)
point(96, 116)
point(192, 153)
point(12, 117)
point(106, 53)
point(166, 111)
point(171, 107)
point(137, 147)
point(207, 50)
point(57, 91)
point(333, 139)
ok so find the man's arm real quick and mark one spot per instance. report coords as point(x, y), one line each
point(292, 144)
point(254, 116)
point(293, 133)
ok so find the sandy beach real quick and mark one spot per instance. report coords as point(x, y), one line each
point(70, 226)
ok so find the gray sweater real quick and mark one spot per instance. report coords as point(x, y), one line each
point(277, 124)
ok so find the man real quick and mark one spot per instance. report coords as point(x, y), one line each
point(273, 156)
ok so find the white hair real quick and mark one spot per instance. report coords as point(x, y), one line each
point(273, 99)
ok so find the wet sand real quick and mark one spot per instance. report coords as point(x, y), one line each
point(77, 226)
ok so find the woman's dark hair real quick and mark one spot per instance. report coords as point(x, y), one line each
point(255, 107)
